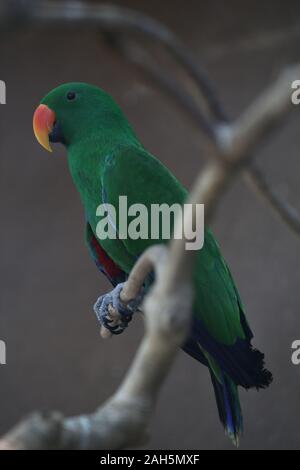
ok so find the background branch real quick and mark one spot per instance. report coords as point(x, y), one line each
point(189, 103)
point(119, 20)
point(138, 55)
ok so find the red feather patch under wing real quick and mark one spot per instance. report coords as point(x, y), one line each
point(102, 260)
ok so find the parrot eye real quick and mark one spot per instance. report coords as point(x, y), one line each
point(71, 95)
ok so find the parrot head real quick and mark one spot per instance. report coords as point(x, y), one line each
point(75, 111)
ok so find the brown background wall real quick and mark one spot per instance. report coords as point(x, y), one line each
point(55, 358)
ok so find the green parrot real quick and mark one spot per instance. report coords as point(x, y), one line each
point(107, 160)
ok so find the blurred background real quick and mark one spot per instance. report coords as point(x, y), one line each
point(55, 356)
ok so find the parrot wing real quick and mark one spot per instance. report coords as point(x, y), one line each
point(143, 179)
point(219, 336)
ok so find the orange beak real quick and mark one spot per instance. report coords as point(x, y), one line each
point(43, 122)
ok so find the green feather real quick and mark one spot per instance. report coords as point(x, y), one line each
point(106, 161)
point(105, 156)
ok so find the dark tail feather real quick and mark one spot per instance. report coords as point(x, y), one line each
point(240, 361)
point(248, 367)
point(229, 408)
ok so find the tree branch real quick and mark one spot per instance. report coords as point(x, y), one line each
point(264, 189)
point(118, 19)
point(189, 103)
point(122, 421)
point(254, 176)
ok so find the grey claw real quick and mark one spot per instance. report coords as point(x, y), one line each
point(101, 307)
point(112, 299)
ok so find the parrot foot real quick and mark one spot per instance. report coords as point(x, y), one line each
point(112, 313)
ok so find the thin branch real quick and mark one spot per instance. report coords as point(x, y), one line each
point(122, 421)
point(119, 19)
point(235, 143)
point(254, 42)
point(253, 175)
point(282, 209)
point(115, 18)
point(137, 55)
point(260, 118)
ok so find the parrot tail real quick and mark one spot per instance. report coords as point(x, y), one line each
point(229, 408)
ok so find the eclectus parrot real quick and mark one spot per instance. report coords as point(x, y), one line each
point(107, 160)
